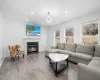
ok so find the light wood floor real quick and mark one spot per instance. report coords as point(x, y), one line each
point(34, 67)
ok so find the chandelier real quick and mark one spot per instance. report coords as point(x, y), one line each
point(48, 18)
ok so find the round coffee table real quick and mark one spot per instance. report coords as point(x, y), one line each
point(58, 62)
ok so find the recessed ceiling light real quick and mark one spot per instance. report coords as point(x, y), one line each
point(65, 11)
point(27, 20)
point(32, 12)
point(42, 23)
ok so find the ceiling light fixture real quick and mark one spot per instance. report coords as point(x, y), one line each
point(65, 11)
point(48, 18)
point(32, 12)
point(27, 20)
point(42, 23)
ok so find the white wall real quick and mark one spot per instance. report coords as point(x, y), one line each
point(1, 37)
point(14, 33)
point(76, 23)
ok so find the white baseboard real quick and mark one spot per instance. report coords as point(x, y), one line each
point(1, 63)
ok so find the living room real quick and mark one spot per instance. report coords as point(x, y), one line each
point(67, 22)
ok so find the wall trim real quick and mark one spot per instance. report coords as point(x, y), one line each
point(1, 63)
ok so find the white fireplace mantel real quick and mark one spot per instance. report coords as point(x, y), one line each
point(30, 39)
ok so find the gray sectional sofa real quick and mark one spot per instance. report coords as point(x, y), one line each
point(92, 70)
point(88, 57)
point(77, 53)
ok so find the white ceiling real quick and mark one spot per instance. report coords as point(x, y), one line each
point(20, 10)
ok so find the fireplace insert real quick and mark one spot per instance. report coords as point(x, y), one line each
point(32, 47)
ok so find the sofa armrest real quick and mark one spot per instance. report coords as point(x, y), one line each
point(86, 72)
point(53, 47)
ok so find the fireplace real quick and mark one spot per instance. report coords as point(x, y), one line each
point(32, 47)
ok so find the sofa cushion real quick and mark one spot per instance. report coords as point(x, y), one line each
point(86, 49)
point(82, 56)
point(61, 46)
point(53, 47)
point(97, 51)
point(86, 72)
point(70, 47)
point(96, 58)
point(77, 60)
point(65, 52)
point(95, 63)
point(52, 50)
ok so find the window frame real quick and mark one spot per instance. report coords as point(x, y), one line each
point(89, 22)
point(56, 37)
point(69, 36)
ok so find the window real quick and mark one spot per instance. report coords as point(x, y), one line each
point(90, 33)
point(57, 37)
point(69, 35)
